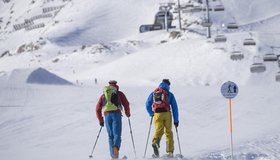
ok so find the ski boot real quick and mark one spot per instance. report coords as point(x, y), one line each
point(116, 152)
point(156, 151)
point(169, 155)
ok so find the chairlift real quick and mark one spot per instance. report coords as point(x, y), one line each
point(232, 26)
point(199, 1)
point(205, 9)
point(220, 38)
point(278, 61)
point(205, 23)
point(184, 6)
point(165, 8)
point(196, 9)
point(171, 4)
point(150, 27)
point(236, 55)
point(160, 18)
point(249, 42)
point(188, 5)
point(277, 77)
point(270, 57)
point(257, 67)
point(219, 8)
point(187, 11)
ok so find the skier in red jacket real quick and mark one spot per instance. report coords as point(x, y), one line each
point(113, 115)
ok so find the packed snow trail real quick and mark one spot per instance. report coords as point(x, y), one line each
point(50, 122)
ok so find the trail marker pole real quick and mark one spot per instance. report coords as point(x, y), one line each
point(229, 90)
point(230, 121)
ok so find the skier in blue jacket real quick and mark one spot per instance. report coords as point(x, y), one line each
point(159, 105)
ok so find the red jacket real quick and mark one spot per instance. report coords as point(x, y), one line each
point(122, 100)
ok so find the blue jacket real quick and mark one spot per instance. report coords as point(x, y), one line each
point(171, 101)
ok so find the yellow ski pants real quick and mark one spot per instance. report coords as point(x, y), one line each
point(163, 125)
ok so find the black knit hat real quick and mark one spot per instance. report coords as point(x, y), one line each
point(166, 81)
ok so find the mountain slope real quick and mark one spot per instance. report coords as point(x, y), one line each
point(87, 39)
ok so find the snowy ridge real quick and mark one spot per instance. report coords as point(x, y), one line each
point(75, 31)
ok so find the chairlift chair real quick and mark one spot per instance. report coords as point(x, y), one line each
point(165, 8)
point(220, 38)
point(160, 18)
point(150, 27)
point(232, 26)
point(257, 66)
point(236, 55)
point(219, 8)
point(171, 4)
point(185, 6)
point(249, 42)
point(188, 5)
point(270, 57)
point(196, 9)
point(210, 9)
point(278, 61)
point(204, 23)
point(187, 11)
point(277, 77)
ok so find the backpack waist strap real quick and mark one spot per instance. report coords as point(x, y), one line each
point(160, 110)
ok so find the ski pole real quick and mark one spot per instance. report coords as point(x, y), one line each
point(178, 141)
point(148, 136)
point(132, 137)
point(90, 156)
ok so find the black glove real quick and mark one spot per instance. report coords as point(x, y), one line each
point(127, 114)
point(176, 124)
point(101, 124)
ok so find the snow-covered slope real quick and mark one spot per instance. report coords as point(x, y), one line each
point(92, 32)
point(84, 40)
point(38, 122)
point(100, 21)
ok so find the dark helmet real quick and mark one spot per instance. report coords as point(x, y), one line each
point(166, 81)
point(112, 82)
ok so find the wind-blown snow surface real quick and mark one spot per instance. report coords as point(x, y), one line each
point(100, 39)
point(38, 122)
